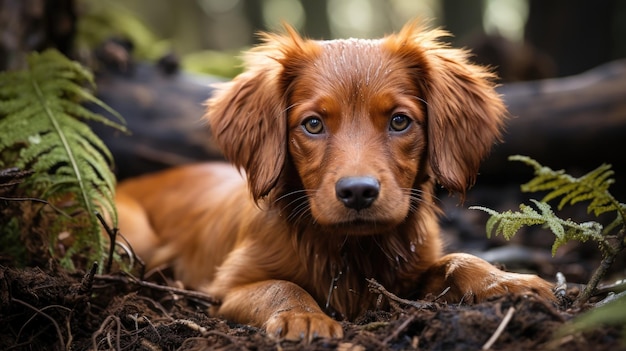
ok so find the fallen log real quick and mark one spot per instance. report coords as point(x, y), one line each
point(164, 115)
point(575, 123)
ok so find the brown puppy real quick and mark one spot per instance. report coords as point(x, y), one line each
point(342, 143)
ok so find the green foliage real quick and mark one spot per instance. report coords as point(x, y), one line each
point(42, 129)
point(215, 63)
point(103, 20)
point(508, 223)
point(592, 187)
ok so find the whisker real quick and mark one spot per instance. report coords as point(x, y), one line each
point(289, 194)
point(345, 240)
point(415, 195)
point(298, 212)
point(382, 249)
point(302, 210)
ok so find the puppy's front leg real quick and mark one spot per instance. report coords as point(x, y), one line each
point(283, 308)
point(472, 279)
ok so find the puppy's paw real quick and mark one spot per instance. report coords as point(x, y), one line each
point(502, 283)
point(471, 279)
point(306, 326)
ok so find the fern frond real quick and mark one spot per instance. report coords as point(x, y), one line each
point(617, 222)
point(42, 117)
point(592, 186)
point(508, 224)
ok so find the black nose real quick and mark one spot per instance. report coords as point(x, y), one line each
point(357, 192)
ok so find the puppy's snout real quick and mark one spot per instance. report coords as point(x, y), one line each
point(357, 192)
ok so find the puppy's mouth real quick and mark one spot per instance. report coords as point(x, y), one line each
point(361, 227)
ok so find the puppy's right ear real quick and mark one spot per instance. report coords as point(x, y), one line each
point(248, 116)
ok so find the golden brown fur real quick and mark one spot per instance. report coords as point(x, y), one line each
point(292, 244)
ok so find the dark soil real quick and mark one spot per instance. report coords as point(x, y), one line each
point(49, 309)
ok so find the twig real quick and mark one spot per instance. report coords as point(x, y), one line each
point(129, 252)
point(400, 329)
point(33, 199)
point(86, 284)
point(103, 328)
point(70, 337)
point(444, 292)
point(500, 329)
point(112, 233)
point(41, 312)
point(610, 298)
point(600, 272)
point(376, 287)
point(156, 305)
point(127, 279)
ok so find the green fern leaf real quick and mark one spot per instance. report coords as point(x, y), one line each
point(508, 224)
point(41, 116)
point(592, 186)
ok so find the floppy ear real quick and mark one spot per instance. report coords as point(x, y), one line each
point(465, 117)
point(247, 115)
point(465, 113)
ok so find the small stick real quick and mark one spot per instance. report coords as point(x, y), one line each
point(377, 287)
point(615, 287)
point(103, 328)
point(188, 293)
point(33, 199)
point(445, 291)
point(58, 210)
point(112, 233)
point(610, 298)
point(500, 329)
point(399, 329)
point(612, 250)
point(42, 313)
point(87, 282)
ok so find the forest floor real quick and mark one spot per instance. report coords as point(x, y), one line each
point(46, 307)
point(51, 309)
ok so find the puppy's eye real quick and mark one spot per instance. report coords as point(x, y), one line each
point(313, 125)
point(399, 122)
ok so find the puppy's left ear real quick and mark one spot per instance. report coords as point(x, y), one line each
point(465, 113)
point(465, 116)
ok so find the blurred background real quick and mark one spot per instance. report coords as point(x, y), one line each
point(525, 39)
point(562, 65)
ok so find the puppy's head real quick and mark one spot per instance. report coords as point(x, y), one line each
point(361, 122)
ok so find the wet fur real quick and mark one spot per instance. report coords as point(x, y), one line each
point(276, 245)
